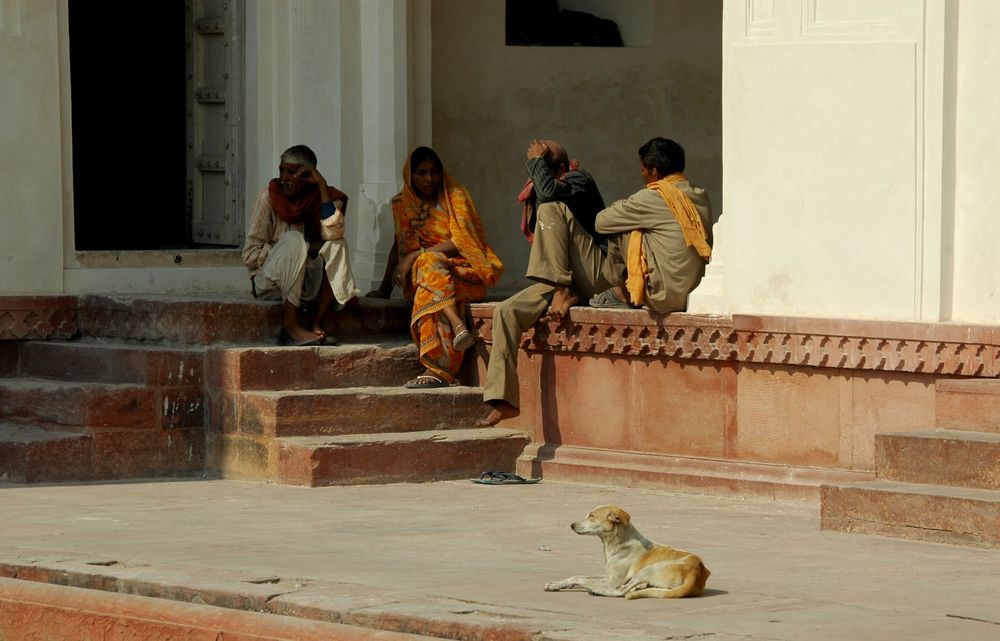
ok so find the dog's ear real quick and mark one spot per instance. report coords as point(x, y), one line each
point(618, 515)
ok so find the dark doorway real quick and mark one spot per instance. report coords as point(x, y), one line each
point(128, 93)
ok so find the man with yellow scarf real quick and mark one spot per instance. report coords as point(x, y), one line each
point(659, 238)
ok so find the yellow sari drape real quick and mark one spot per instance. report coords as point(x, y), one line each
point(436, 280)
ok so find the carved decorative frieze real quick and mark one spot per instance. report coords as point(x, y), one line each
point(30, 317)
point(921, 348)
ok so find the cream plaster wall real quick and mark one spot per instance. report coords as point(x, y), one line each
point(977, 163)
point(490, 100)
point(30, 149)
point(832, 149)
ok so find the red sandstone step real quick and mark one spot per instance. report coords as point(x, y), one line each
point(968, 404)
point(679, 473)
point(31, 454)
point(358, 410)
point(222, 320)
point(398, 457)
point(940, 457)
point(92, 405)
point(962, 516)
point(389, 361)
point(102, 361)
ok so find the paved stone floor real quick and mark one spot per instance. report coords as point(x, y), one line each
point(474, 554)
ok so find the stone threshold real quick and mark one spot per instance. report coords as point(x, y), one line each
point(366, 608)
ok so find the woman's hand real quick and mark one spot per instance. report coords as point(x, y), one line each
point(402, 272)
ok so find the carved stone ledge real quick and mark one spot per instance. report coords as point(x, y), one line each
point(942, 349)
point(37, 317)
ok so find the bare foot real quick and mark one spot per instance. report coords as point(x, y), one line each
point(319, 331)
point(502, 410)
point(562, 300)
point(298, 333)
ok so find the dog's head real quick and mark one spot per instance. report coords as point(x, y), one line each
point(602, 520)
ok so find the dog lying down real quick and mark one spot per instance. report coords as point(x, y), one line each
point(636, 567)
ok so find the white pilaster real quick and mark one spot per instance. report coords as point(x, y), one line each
point(385, 125)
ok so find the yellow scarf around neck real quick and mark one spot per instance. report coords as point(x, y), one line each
point(691, 225)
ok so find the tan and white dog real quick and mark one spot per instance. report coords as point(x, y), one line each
point(636, 567)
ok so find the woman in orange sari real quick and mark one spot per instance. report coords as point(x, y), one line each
point(444, 262)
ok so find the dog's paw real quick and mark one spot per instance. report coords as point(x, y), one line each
point(551, 587)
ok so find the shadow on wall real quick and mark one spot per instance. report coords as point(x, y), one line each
point(543, 23)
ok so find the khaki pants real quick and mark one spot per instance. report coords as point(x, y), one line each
point(563, 253)
point(289, 274)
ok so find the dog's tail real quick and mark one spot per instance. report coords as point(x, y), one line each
point(694, 583)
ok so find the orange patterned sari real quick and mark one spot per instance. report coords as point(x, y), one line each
point(437, 280)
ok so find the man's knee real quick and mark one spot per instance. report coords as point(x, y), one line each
point(553, 211)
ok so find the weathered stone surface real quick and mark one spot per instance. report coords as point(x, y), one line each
point(924, 348)
point(123, 454)
point(102, 361)
point(193, 321)
point(940, 457)
point(363, 410)
point(961, 516)
point(37, 317)
point(79, 404)
point(632, 469)
point(30, 454)
point(389, 362)
point(238, 456)
point(964, 404)
point(398, 457)
point(30, 611)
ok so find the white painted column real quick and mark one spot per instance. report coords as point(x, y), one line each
point(833, 150)
point(32, 149)
point(385, 127)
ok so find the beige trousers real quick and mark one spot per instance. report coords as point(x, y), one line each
point(563, 253)
point(289, 274)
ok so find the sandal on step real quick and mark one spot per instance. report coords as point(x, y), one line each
point(463, 339)
point(503, 478)
point(609, 299)
point(425, 381)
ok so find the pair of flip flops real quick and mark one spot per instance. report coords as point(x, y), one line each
point(503, 478)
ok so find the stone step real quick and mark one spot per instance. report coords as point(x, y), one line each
point(961, 516)
point(968, 404)
point(422, 456)
point(940, 457)
point(105, 361)
point(679, 473)
point(356, 410)
point(390, 361)
point(193, 320)
point(91, 405)
point(31, 454)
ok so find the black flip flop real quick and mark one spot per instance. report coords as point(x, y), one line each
point(503, 478)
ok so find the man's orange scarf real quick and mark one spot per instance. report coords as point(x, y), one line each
point(691, 225)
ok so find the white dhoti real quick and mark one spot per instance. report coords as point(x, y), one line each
point(290, 274)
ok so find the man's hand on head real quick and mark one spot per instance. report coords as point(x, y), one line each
point(311, 175)
point(537, 149)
